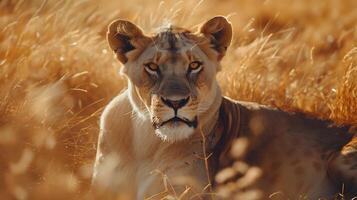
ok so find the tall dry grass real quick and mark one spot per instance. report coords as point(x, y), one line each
point(57, 74)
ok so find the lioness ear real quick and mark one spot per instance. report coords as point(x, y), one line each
point(219, 31)
point(123, 37)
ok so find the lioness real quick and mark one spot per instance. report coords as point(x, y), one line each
point(170, 131)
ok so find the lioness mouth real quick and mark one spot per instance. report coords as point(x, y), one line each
point(176, 119)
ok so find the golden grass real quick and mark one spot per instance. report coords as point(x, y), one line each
point(57, 73)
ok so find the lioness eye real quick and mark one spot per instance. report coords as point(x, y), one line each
point(195, 66)
point(151, 68)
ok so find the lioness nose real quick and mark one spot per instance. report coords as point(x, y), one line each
point(175, 104)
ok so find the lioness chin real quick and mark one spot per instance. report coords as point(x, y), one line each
point(155, 134)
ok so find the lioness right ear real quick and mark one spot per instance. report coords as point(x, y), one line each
point(123, 37)
point(219, 31)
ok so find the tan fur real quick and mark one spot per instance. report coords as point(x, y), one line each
point(135, 158)
point(139, 156)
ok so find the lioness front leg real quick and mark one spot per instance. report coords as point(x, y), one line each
point(114, 164)
point(111, 175)
point(186, 180)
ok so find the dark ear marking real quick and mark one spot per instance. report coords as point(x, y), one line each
point(126, 46)
point(215, 41)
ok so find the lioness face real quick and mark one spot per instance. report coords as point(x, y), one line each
point(172, 74)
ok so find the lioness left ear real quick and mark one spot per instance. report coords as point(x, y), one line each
point(219, 31)
point(124, 37)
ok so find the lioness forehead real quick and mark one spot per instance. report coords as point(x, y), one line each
point(173, 39)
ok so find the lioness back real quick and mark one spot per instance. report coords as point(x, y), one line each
point(294, 152)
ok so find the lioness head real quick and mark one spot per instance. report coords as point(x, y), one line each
point(172, 74)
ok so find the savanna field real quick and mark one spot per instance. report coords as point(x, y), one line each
point(57, 73)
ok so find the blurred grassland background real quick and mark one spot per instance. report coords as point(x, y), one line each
point(57, 73)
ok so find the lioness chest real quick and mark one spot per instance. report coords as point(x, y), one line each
point(143, 164)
